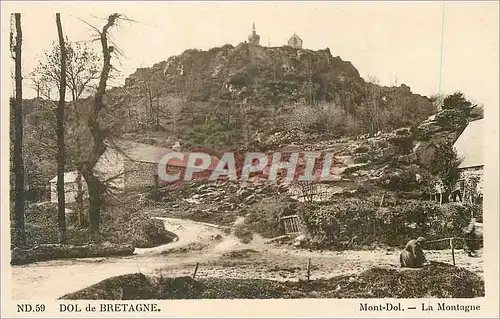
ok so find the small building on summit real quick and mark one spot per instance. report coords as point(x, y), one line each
point(295, 42)
point(254, 38)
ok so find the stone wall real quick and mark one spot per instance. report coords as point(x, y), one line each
point(139, 174)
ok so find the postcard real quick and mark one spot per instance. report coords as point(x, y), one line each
point(250, 159)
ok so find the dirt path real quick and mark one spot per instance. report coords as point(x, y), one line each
point(219, 255)
point(188, 233)
point(52, 279)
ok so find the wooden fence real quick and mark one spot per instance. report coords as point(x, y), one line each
point(291, 224)
point(452, 242)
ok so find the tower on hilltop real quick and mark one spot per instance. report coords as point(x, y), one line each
point(254, 38)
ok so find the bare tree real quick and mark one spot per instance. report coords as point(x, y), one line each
point(18, 163)
point(152, 92)
point(37, 84)
point(61, 158)
point(95, 187)
point(82, 70)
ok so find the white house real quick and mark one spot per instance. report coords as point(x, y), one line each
point(70, 187)
point(469, 148)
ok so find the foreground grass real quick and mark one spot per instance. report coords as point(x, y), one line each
point(437, 280)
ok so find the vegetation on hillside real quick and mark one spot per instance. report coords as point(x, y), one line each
point(225, 96)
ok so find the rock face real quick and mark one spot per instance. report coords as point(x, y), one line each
point(259, 84)
point(275, 70)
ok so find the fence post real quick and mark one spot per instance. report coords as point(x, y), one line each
point(308, 269)
point(452, 250)
point(195, 270)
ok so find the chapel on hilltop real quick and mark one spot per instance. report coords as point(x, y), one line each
point(254, 38)
point(295, 42)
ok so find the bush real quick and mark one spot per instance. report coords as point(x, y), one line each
point(130, 225)
point(125, 223)
point(452, 119)
point(41, 226)
point(353, 223)
point(126, 287)
point(263, 218)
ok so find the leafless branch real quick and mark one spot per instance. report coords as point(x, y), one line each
point(90, 25)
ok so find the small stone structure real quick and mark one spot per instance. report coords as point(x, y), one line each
point(128, 165)
point(295, 42)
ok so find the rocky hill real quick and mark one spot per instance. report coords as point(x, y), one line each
point(223, 97)
point(253, 98)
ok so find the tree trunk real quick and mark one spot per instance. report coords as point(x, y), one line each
point(150, 98)
point(157, 112)
point(98, 135)
point(61, 158)
point(95, 202)
point(82, 220)
point(18, 163)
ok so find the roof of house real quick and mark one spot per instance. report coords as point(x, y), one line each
point(69, 177)
point(139, 152)
point(469, 145)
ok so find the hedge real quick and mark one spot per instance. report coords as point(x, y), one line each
point(353, 223)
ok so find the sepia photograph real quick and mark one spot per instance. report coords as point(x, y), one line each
point(250, 150)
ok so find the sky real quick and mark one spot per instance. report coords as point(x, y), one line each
point(396, 42)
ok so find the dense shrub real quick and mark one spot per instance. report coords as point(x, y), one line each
point(124, 223)
point(263, 218)
point(41, 226)
point(453, 119)
point(360, 223)
point(125, 287)
point(129, 224)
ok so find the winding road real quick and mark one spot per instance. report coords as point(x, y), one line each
point(219, 255)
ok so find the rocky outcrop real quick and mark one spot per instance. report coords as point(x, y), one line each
point(265, 81)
